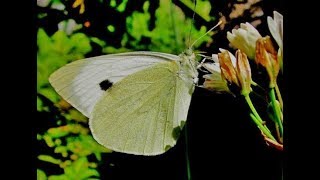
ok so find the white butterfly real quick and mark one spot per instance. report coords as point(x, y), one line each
point(146, 106)
point(136, 102)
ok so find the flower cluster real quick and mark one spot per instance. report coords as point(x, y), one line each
point(228, 70)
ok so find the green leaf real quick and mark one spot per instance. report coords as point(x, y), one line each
point(113, 3)
point(98, 41)
point(41, 175)
point(75, 115)
point(138, 25)
point(44, 41)
point(79, 169)
point(203, 8)
point(62, 44)
point(50, 159)
point(122, 6)
point(84, 145)
point(111, 50)
point(170, 33)
point(58, 177)
point(81, 43)
point(59, 131)
point(39, 104)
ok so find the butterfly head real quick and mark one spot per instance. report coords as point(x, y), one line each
point(189, 52)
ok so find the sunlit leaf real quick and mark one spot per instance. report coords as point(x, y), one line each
point(39, 104)
point(203, 8)
point(49, 159)
point(79, 169)
point(98, 41)
point(84, 145)
point(81, 43)
point(59, 131)
point(169, 35)
point(41, 175)
point(58, 177)
point(122, 6)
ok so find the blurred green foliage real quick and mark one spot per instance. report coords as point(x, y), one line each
point(68, 140)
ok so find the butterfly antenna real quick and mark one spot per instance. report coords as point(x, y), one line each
point(206, 33)
point(194, 12)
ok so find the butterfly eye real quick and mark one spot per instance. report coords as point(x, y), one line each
point(195, 81)
point(188, 52)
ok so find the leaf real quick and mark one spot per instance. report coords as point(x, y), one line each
point(41, 175)
point(137, 24)
point(61, 43)
point(122, 6)
point(43, 41)
point(203, 8)
point(59, 131)
point(79, 169)
point(50, 159)
point(171, 32)
point(98, 41)
point(84, 145)
point(58, 177)
point(76, 116)
point(39, 104)
point(81, 43)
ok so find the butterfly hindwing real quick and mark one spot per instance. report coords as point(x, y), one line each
point(144, 112)
point(83, 82)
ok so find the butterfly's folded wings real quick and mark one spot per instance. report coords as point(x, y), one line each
point(80, 82)
point(143, 113)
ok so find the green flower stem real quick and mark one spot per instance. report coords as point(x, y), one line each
point(279, 97)
point(187, 152)
point(276, 110)
point(271, 116)
point(257, 119)
point(278, 132)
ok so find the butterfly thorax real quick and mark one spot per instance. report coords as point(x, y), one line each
point(188, 66)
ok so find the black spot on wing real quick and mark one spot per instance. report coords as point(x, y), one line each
point(105, 84)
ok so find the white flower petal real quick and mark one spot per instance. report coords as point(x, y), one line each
point(215, 58)
point(276, 28)
point(244, 38)
point(212, 67)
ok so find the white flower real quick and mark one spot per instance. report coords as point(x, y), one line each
point(214, 81)
point(244, 38)
point(276, 28)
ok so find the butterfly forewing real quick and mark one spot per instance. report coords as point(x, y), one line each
point(80, 82)
point(144, 112)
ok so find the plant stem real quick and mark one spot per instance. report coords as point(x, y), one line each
point(278, 132)
point(279, 97)
point(257, 119)
point(187, 152)
point(276, 110)
point(271, 116)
